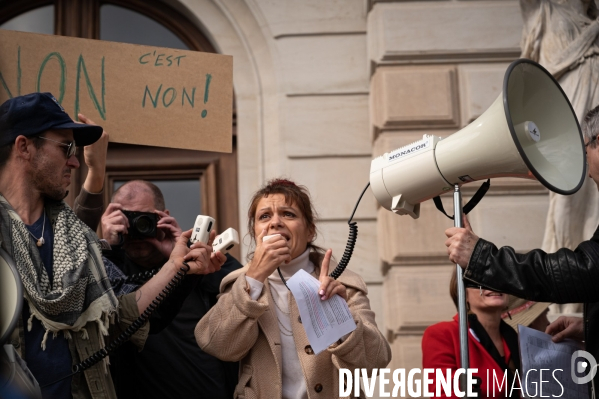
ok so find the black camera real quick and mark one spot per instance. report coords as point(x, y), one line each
point(142, 224)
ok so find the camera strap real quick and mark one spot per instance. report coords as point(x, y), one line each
point(480, 193)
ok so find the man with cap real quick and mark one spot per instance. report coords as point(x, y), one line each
point(70, 305)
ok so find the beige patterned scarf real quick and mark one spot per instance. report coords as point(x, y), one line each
point(80, 291)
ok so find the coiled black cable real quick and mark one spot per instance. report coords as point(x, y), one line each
point(351, 241)
point(132, 329)
point(140, 277)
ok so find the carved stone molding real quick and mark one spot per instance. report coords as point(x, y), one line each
point(401, 97)
point(441, 31)
point(417, 296)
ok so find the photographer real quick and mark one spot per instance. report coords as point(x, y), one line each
point(171, 364)
point(143, 243)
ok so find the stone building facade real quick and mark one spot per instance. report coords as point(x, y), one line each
point(323, 86)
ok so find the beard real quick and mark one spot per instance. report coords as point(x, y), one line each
point(44, 181)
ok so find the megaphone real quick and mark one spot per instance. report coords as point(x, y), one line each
point(15, 378)
point(11, 296)
point(530, 131)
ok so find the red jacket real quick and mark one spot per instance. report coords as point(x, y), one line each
point(441, 349)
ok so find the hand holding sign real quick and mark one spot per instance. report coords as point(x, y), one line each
point(95, 159)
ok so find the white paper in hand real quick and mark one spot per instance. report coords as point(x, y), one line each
point(539, 352)
point(324, 321)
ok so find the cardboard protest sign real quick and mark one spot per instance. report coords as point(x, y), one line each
point(139, 94)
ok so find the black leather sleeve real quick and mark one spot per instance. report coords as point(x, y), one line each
point(565, 276)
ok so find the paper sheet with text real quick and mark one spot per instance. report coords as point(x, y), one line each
point(324, 321)
point(537, 352)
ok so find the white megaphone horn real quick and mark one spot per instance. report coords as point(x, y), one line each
point(530, 131)
point(15, 377)
point(11, 297)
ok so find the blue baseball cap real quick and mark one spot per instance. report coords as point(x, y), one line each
point(35, 113)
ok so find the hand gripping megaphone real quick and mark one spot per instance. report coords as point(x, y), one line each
point(530, 131)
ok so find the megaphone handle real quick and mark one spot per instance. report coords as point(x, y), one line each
point(480, 193)
point(462, 312)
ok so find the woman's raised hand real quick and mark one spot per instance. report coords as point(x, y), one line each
point(328, 285)
point(269, 255)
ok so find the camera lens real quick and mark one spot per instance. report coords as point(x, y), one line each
point(143, 224)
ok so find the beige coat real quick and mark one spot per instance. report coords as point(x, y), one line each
point(239, 329)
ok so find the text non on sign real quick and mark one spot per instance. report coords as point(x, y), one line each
point(139, 94)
